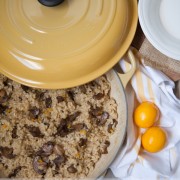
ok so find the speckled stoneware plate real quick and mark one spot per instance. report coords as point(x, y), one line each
point(64, 45)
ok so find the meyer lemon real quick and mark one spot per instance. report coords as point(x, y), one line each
point(146, 114)
point(154, 139)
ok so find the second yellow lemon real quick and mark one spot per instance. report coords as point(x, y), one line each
point(146, 114)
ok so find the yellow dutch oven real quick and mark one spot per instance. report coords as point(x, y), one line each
point(55, 44)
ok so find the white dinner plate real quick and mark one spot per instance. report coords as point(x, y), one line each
point(160, 22)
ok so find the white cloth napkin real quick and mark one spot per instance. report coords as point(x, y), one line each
point(132, 161)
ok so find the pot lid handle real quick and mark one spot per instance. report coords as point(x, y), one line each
point(50, 3)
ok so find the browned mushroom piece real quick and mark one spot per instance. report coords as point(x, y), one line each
point(40, 164)
point(77, 127)
point(103, 118)
point(35, 131)
point(98, 111)
point(34, 112)
point(71, 95)
point(58, 150)
point(105, 148)
point(25, 88)
point(62, 129)
point(48, 102)
point(98, 96)
point(3, 109)
point(82, 142)
point(115, 122)
point(99, 116)
point(72, 117)
point(7, 152)
point(47, 148)
point(65, 125)
point(3, 96)
point(110, 129)
point(14, 132)
point(94, 84)
point(59, 160)
point(112, 126)
point(107, 143)
point(15, 172)
point(39, 95)
point(7, 82)
point(72, 169)
point(83, 89)
point(60, 99)
point(105, 151)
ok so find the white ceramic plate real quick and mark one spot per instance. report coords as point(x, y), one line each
point(160, 21)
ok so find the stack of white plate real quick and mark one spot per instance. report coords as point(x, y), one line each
point(160, 21)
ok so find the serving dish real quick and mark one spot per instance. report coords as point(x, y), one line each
point(116, 138)
point(69, 45)
point(66, 45)
point(160, 23)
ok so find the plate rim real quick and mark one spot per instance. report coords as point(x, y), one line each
point(151, 36)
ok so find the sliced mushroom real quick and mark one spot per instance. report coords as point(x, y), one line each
point(111, 126)
point(3, 96)
point(98, 111)
point(73, 117)
point(14, 132)
point(110, 129)
point(83, 89)
point(77, 127)
point(15, 172)
point(98, 96)
point(106, 145)
point(60, 99)
point(82, 142)
point(58, 150)
point(115, 122)
point(39, 95)
point(48, 102)
point(59, 160)
point(7, 152)
point(72, 169)
point(7, 82)
point(99, 116)
point(105, 151)
point(40, 165)
point(103, 118)
point(47, 148)
point(3, 109)
point(62, 129)
point(34, 112)
point(35, 131)
point(65, 125)
point(93, 84)
point(71, 95)
point(25, 88)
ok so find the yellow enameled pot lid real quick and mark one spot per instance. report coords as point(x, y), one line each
point(64, 45)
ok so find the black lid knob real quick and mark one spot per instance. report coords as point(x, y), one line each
point(50, 3)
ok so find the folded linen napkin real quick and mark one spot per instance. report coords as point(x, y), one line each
point(132, 161)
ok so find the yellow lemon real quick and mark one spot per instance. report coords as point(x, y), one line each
point(146, 114)
point(154, 139)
